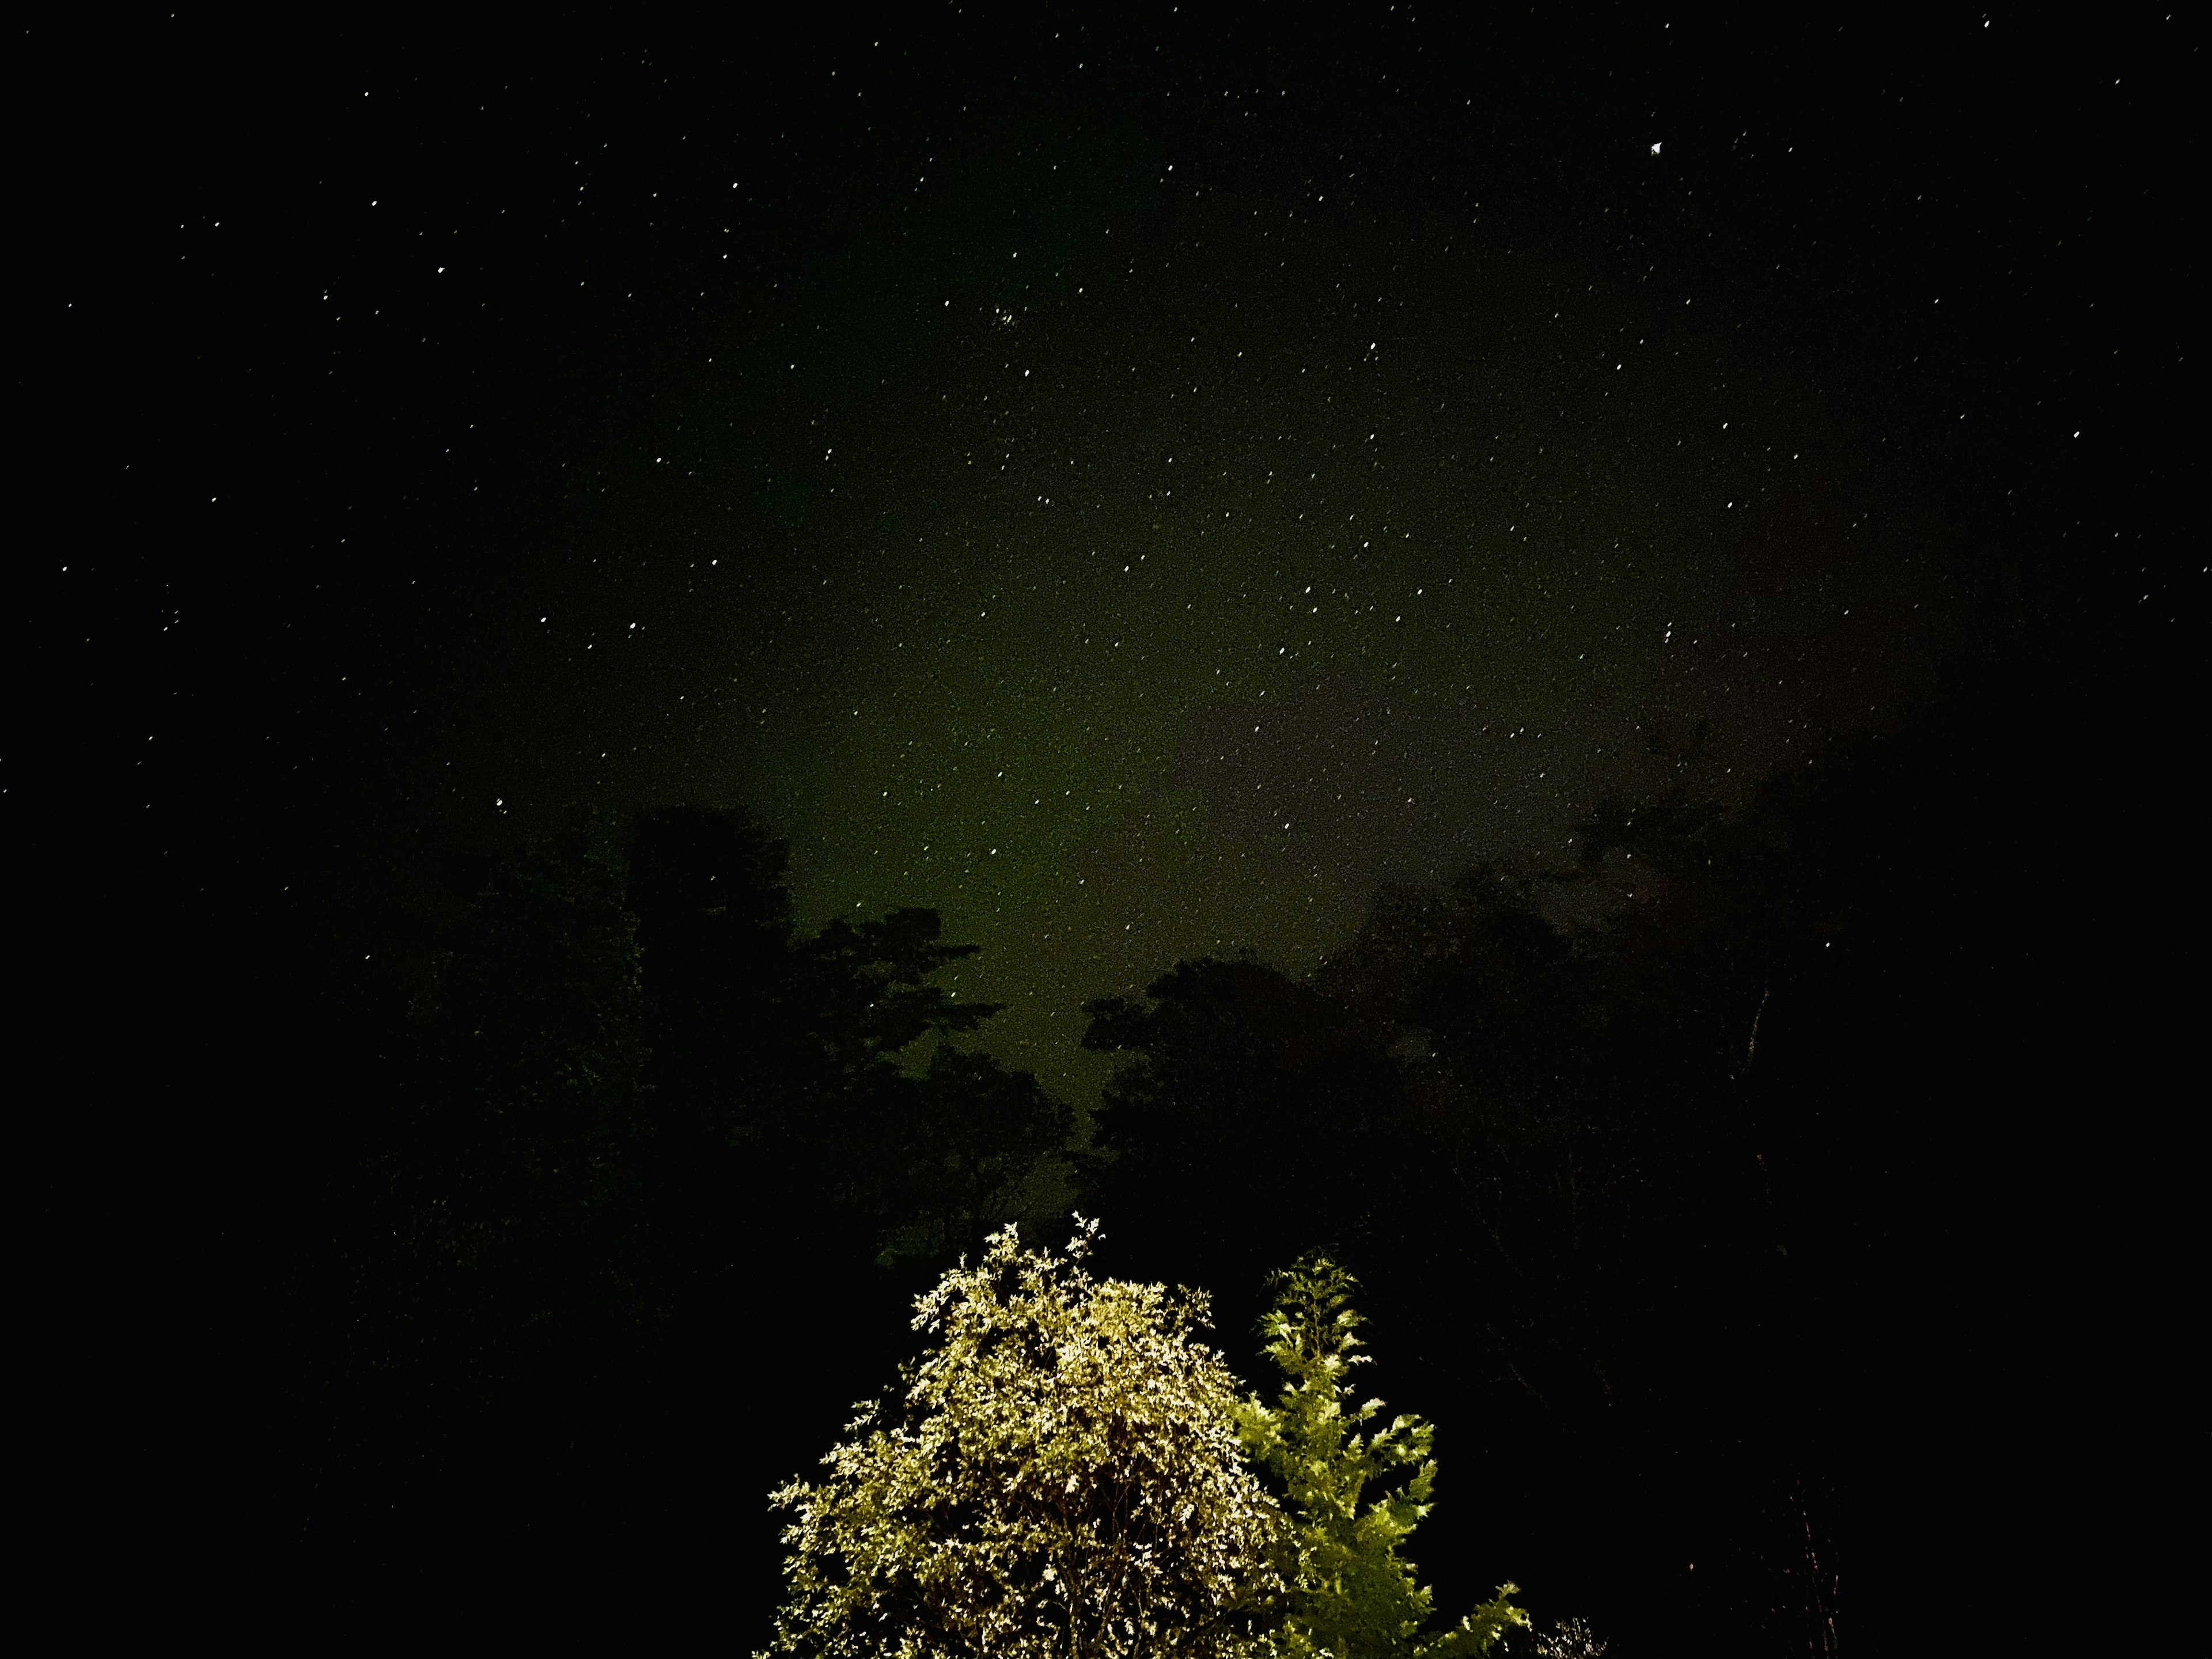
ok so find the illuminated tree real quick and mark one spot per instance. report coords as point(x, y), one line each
point(1061, 1477)
point(1351, 1595)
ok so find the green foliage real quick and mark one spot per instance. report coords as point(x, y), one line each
point(1356, 1492)
point(1569, 1638)
point(1479, 1631)
point(1060, 1479)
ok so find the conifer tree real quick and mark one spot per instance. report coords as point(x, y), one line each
point(1355, 1492)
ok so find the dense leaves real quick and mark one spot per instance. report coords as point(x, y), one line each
point(1058, 1479)
point(1355, 1492)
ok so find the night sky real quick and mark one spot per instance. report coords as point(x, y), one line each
point(1140, 480)
point(1135, 485)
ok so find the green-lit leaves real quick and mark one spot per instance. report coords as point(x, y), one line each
point(1060, 1476)
point(1355, 1492)
point(1479, 1631)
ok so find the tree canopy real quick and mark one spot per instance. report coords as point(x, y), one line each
point(1639, 1158)
point(1059, 1476)
point(1355, 1492)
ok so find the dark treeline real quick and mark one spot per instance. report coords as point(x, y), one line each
point(1702, 1189)
point(633, 1169)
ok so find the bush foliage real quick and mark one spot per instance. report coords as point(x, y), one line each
point(1061, 1476)
point(1355, 1492)
point(1070, 1473)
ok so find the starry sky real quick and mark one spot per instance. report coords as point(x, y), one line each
point(1136, 482)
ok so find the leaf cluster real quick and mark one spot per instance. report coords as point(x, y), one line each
point(1356, 1486)
point(1061, 1476)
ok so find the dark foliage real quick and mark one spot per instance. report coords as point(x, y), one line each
point(1704, 1226)
point(622, 1089)
point(509, 1170)
point(783, 1095)
point(1686, 1218)
point(1251, 1118)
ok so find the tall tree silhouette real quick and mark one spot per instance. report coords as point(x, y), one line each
point(623, 1091)
point(511, 1166)
point(716, 938)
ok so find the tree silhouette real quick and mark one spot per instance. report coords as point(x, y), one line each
point(512, 1163)
point(1248, 1122)
point(623, 1085)
point(795, 1089)
point(1650, 1156)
